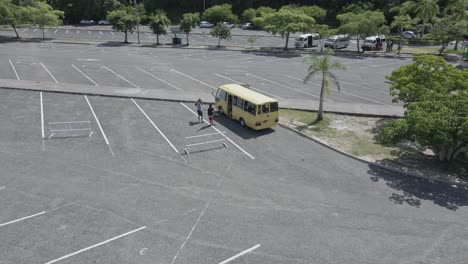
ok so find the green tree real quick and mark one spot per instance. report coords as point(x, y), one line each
point(323, 65)
point(44, 15)
point(438, 121)
point(220, 31)
point(314, 11)
point(362, 25)
point(425, 10)
point(458, 10)
point(265, 10)
point(446, 30)
point(251, 40)
point(428, 75)
point(159, 23)
point(248, 15)
point(189, 21)
point(11, 14)
point(220, 13)
point(324, 31)
point(286, 21)
point(402, 22)
point(123, 19)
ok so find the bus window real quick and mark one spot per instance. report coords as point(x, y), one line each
point(273, 107)
point(259, 112)
point(240, 103)
point(249, 107)
point(221, 95)
point(266, 108)
point(234, 100)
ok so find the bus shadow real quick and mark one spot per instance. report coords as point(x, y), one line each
point(243, 132)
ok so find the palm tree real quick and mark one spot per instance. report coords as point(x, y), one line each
point(323, 65)
point(426, 10)
point(458, 9)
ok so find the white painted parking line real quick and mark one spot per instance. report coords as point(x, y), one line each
point(240, 254)
point(237, 146)
point(161, 80)
point(154, 125)
point(89, 32)
point(121, 77)
point(21, 219)
point(112, 33)
point(47, 70)
point(45, 30)
point(380, 65)
point(365, 87)
point(183, 74)
point(25, 30)
point(55, 31)
point(147, 34)
point(66, 32)
point(78, 31)
point(253, 88)
point(248, 58)
point(16, 73)
point(96, 245)
point(225, 56)
point(91, 80)
point(100, 32)
point(287, 87)
point(42, 116)
point(350, 94)
point(34, 30)
point(99, 125)
point(269, 61)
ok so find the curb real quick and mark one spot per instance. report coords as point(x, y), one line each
point(344, 113)
point(370, 162)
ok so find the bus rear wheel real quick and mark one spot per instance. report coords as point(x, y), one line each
point(220, 110)
point(242, 122)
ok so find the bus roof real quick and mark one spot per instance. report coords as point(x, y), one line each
point(247, 94)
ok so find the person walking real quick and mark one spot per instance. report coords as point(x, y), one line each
point(210, 114)
point(199, 104)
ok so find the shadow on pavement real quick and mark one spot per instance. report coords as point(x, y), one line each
point(243, 132)
point(412, 190)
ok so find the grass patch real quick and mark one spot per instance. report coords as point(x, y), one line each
point(459, 51)
point(305, 117)
point(419, 49)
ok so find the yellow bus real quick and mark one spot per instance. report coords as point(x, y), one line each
point(250, 108)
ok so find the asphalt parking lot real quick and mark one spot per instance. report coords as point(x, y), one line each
point(277, 75)
point(89, 179)
point(199, 36)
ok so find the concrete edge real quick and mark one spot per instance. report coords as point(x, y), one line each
point(370, 162)
point(343, 113)
point(104, 95)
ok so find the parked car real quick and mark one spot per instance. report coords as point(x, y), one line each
point(228, 24)
point(307, 40)
point(248, 26)
point(206, 24)
point(409, 35)
point(337, 42)
point(104, 22)
point(87, 22)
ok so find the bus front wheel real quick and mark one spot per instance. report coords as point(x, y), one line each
point(242, 122)
point(220, 110)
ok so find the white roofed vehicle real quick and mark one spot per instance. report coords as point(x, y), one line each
point(307, 40)
point(337, 42)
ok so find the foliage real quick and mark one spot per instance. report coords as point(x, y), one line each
point(159, 23)
point(458, 9)
point(426, 76)
point(251, 40)
point(188, 22)
point(44, 15)
point(324, 31)
point(11, 14)
point(323, 65)
point(359, 7)
point(447, 30)
point(123, 19)
point(286, 21)
point(439, 122)
point(425, 10)
point(314, 11)
point(220, 31)
point(248, 15)
point(220, 13)
point(435, 95)
point(362, 25)
point(402, 22)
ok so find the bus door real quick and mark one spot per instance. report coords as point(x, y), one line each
point(265, 113)
point(229, 102)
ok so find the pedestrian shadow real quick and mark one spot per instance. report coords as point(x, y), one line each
point(413, 190)
point(193, 123)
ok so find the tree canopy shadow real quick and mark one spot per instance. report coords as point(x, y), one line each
point(412, 190)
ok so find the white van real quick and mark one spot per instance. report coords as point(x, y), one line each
point(373, 43)
point(337, 42)
point(307, 40)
